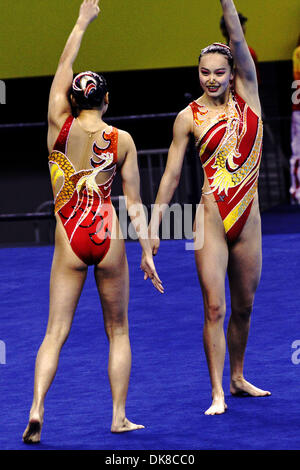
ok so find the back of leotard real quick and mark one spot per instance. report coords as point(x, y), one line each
point(83, 205)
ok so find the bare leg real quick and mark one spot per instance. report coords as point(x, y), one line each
point(68, 274)
point(112, 280)
point(211, 262)
point(244, 270)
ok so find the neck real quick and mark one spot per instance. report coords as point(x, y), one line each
point(91, 115)
point(90, 120)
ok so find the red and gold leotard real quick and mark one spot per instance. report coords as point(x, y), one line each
point(230, 147)
point(84, 207)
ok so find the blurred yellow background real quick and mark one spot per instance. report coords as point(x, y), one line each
point(136, 34)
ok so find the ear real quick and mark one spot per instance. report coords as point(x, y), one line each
point(106, 98)
point(73, 102)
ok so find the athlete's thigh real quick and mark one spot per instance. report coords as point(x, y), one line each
point(112, 279)
point(245, 262)
point(211, 261)
point(68, 274)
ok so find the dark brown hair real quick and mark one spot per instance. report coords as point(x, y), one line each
point(218, 48)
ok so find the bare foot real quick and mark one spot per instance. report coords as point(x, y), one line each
point(217, 407)
point(125, 425)
point(240, 387)
point(32, 434)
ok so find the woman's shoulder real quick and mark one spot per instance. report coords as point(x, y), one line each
point(124, 136)
point(184, 120)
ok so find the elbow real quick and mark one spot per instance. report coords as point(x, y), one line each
point(171, 178)
point(172, 181)
point(175, 182)
point(237, 39)
point(65, 62)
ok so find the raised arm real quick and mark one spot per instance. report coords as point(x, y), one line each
point(59, 107)
point(131, 190)
point(245, 71)
point(181, 133)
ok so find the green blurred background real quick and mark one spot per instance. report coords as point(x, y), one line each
point(135, 34)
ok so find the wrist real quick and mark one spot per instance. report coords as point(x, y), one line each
point(146, 247)
point(147, 252)
point(153, 233)
point(82, 24)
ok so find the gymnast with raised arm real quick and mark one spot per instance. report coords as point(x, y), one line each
point(226, 124)
point(85, 154)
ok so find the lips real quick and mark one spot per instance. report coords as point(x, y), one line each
point(213, 88)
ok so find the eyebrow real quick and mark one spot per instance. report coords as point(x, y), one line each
point(220, 69)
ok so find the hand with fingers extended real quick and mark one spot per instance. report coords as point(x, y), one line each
point(89, 10)
point(147, 265)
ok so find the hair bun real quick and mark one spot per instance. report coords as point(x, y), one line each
point(89, 89)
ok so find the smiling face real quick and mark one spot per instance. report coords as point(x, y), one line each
point(215, 74)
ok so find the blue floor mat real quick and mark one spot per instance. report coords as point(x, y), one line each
point(169, 387)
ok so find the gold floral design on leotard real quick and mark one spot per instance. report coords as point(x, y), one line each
point(60, 166)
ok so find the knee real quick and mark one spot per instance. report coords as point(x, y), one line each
point(57, 335)
point(215, 312)
point(242, 312)
point(116, 328)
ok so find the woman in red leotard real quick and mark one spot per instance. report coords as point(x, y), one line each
point(226, 124)
point(85, 154)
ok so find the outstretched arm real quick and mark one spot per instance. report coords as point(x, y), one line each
point(59, 106)
point(243, 61)
point(170, 179)
point(131, 189)
point(246, 76)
